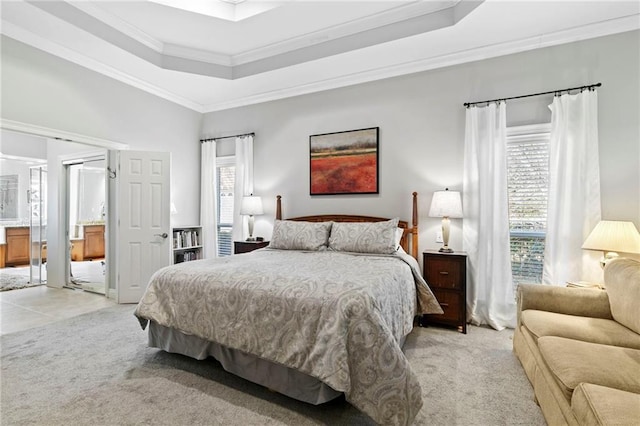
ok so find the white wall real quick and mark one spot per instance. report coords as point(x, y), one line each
point(22, 145)
point(422, 118)
point(41, 89)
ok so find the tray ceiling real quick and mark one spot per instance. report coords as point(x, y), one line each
point(217, 54)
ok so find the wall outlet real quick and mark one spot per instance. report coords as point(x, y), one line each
point(439, 237)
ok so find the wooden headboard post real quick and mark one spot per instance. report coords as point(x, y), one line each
point(414, 230)
point(278, 207)
point(351, 218)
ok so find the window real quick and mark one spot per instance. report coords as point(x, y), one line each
point(226, 172)
point(527, 183)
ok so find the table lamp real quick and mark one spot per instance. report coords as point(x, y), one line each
point(251, 206)
point(611, 237)
point(446, 204)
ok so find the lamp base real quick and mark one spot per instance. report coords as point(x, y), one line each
point(251, 239)
point(445, 250)
point(608, 256)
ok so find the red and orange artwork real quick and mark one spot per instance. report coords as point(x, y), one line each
point(344, 162)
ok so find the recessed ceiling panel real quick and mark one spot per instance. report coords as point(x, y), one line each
point(122, 40)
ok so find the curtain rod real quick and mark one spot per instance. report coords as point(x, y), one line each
point(227, 137)
point(590, 86)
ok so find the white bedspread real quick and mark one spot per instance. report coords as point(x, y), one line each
point(334, 316)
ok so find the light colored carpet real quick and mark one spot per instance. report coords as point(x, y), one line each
point(96, 369)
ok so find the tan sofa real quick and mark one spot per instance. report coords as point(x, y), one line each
point(580, 348)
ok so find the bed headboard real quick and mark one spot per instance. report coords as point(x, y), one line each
point(409, 240)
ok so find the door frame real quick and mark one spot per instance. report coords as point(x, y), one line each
point(56, 264)
point(67, 161)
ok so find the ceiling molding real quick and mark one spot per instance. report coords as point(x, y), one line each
point(383, 27)
point(55, 49)
point(599, 29)
point(387, 17)
point(612, 26)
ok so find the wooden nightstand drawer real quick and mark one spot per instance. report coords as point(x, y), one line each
point(443, 273)
point(451, 304)
point(248, 246)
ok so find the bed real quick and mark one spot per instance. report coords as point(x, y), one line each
point(323, 311)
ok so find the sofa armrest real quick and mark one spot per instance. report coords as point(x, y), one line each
point(585, 302)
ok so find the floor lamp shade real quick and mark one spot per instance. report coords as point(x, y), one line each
point(251, 206)
point(446, 204)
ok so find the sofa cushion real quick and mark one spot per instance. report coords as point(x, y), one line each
point(600, 405)
point(595, 330)
point(622, 279)
point(572, 362)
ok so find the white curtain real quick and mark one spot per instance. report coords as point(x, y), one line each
point(574, 189)
point(208, 199)
point(490, 295)
point(243, 183)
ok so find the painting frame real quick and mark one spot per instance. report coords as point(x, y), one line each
point(345, 162)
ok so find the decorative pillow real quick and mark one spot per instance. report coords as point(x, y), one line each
point(297, 235)
point(364, 237)
point(622, 279)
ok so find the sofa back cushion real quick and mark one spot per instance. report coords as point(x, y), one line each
point(622, 279)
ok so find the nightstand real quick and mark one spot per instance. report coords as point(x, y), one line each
point(247, 246)
point(446, 274)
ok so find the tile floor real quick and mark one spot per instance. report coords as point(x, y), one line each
point(35, 306)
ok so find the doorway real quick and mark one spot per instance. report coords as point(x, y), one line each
point(19, 176)
point(86, 223)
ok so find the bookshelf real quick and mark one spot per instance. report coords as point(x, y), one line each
point(187, 243)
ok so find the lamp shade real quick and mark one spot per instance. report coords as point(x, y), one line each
point(251, 205)
point(446, 204)
point(613, 235)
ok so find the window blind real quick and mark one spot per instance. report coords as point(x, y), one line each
point(528, 182)
point(226, 181)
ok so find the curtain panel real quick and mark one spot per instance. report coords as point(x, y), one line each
point(490, 295)
point(243, 183)
point(208, 199)
point(574, 190)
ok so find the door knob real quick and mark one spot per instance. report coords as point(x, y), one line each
point(163, 235)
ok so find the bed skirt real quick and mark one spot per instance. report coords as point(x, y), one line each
point(279, 378)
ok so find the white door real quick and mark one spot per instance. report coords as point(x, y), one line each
point(143, 205)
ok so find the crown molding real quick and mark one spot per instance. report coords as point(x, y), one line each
point(628, 23)
point(27, 37)
point(392, 24)
point(600, 29)
point(388, 17)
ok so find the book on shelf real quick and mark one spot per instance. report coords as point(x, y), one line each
point(187, 256)
point(185, 239)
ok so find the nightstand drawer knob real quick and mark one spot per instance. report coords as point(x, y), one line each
point(444, 273)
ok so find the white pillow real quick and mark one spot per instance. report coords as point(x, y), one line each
point(399, 233)
point(299, 235)
point(364, 237)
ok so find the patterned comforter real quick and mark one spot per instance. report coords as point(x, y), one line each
point(334, 316)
